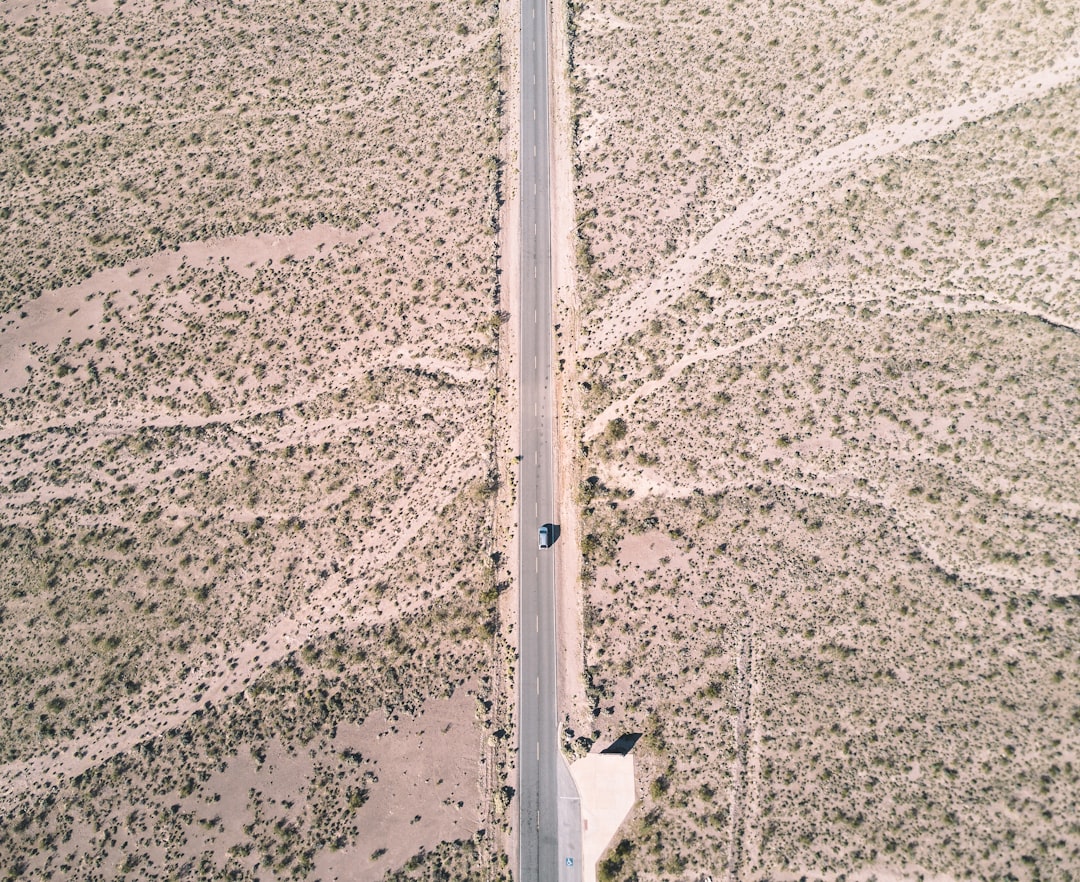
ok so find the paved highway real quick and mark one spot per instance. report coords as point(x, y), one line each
point(547, 850)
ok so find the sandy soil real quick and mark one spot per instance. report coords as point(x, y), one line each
point(808, 178)
point(502, 768)
point(427, 764)
point(250, 396)
point(826, 264)
point(572, 699)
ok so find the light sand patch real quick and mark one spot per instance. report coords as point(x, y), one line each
point(425, 787)
point(878, 872)
point(18, 11)
point(76, 311)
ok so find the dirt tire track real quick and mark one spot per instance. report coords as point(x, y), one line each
point(573, 702)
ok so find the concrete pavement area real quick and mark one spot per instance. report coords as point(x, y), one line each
point(572, 866)
point(605, 785)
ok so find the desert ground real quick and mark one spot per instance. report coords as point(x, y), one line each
point(820, 381)
point(251, 396)
point(826, 356)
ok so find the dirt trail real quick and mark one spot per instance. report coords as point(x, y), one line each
point(633, 308)
point(891, 499)
point(819, 311)
point(622, 407)
point(132, 421)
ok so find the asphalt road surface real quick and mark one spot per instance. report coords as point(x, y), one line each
point(547, 850)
